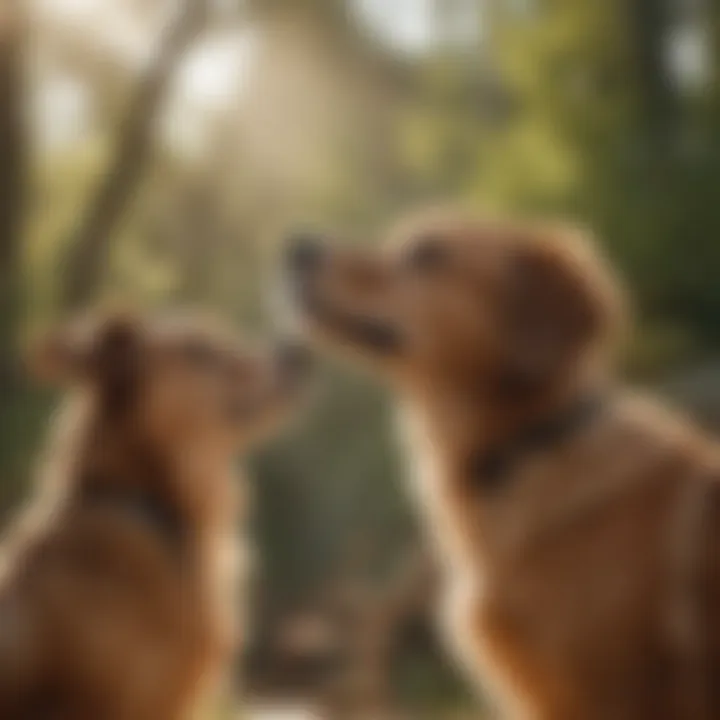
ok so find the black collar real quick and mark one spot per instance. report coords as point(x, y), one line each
point(144, 507)
point(491, 468)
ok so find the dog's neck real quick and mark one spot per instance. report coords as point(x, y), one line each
point(446, 431)
point(94, 456)
point(468, 426)
point(492, 468)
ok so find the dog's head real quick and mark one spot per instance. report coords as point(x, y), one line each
point(182, 378)
point(492, 306)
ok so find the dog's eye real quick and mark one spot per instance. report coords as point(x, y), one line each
point(427, 254)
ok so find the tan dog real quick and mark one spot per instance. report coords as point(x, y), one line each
point(577, 523)
point(118, 585)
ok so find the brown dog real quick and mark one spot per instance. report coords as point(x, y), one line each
point(577, 523)
point(117, 593)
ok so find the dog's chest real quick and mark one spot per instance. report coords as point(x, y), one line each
point(225, 566)
point(463, 578)
point(466, 583)
point(434, 501)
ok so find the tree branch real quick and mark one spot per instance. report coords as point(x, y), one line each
point(90, 243)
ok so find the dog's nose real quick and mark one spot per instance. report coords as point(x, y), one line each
point(294, 359)
point(304, 252)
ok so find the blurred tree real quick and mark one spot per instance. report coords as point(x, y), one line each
point(650, 25)
point(90, 242)
point(17, 409)
point(13, 182)
point(608, 125)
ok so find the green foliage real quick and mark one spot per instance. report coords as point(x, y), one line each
point(329, 485)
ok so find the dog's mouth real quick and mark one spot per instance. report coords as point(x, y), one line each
point(289, 378)
point(241, 410)
point(258, 413)
point(379, 335)
point(305, 303)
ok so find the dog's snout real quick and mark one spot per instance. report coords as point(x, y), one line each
point(304, 252)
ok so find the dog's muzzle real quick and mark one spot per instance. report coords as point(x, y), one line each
point(306, 257)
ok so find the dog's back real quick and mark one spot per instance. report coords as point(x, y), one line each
point(117, 595)
point(101, 606)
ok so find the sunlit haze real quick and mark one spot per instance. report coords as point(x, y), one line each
point(213, 75)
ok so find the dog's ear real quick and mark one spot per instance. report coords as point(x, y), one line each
point(115, 357)
point(560, 303)
point(60, 355)
point(104, 349)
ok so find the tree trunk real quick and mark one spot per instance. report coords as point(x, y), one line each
point(90, 243)
point(713, 17)
point(13, 169)
point(650, 24)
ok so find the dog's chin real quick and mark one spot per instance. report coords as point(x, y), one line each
point(241, 412)
point(369, 335)
point(300, 309)
point(255, 425)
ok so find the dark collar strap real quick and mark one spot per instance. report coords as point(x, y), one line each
point(144, 507)
point(491, 468)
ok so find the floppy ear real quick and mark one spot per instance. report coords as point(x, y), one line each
point(115, 358)
point(104, 349)
point(559, 304)
point(60, 355)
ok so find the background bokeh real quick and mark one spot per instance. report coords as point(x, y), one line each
point(156, 151)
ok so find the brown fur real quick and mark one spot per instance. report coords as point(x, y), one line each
point(586, 586)
point(104, 613)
